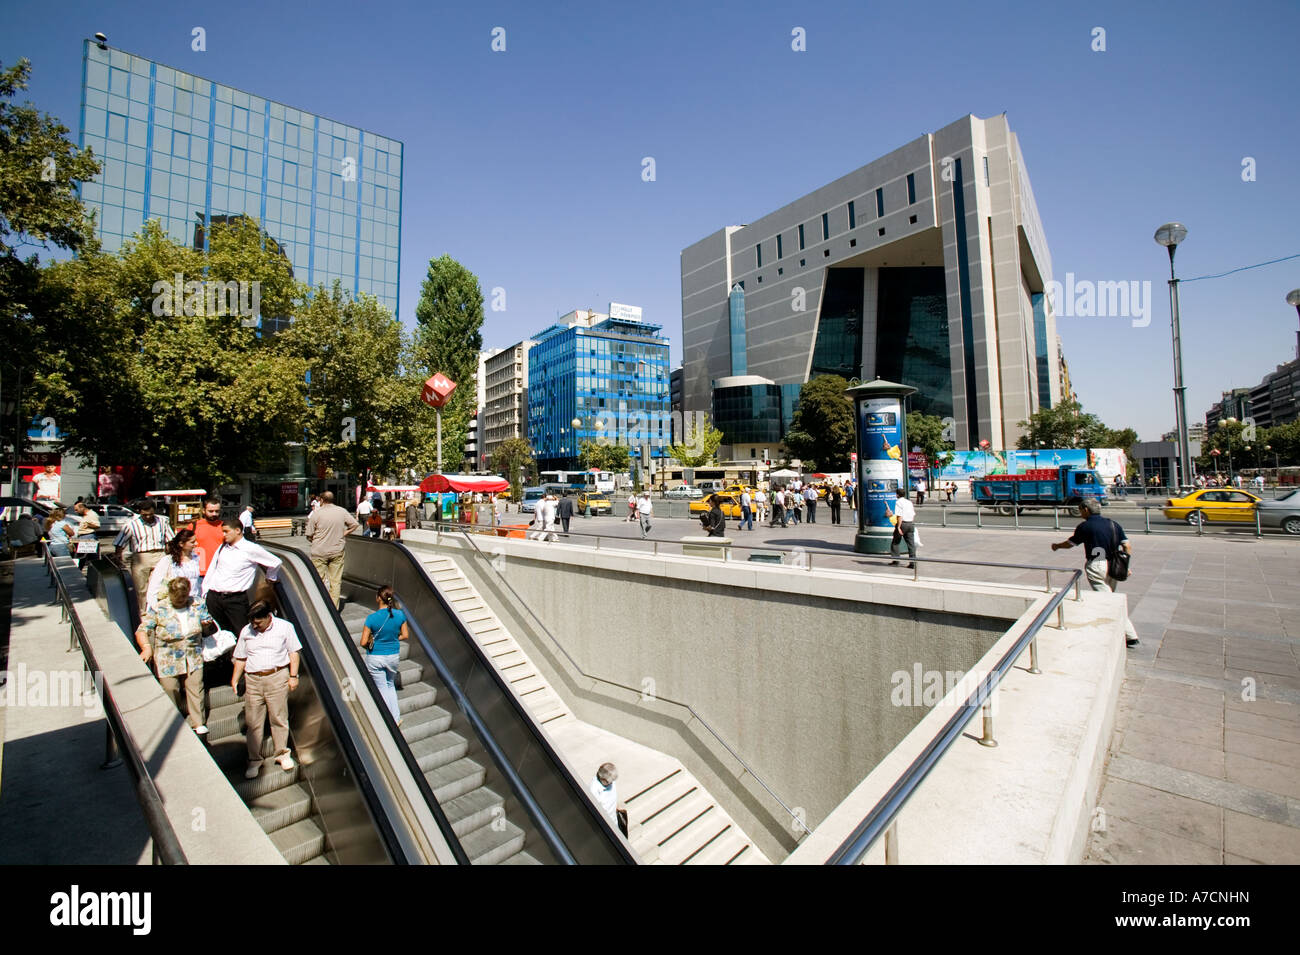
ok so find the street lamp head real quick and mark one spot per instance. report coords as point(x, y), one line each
point(1171, 234)
point(576, 422)
point(1293, 297)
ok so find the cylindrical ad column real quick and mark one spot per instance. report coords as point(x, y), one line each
point(881, 420)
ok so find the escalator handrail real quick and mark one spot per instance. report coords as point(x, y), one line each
point(440, 818)
point(290, 596)
point(535, 812)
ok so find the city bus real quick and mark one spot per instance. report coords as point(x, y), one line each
point(602, 481)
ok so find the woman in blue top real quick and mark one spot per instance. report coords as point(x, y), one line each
point(381, 638)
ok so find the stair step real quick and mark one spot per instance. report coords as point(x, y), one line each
point(721, 849)
point(672, 818)
point(520, 858)
point(422, 723)
point(692, 843)
point(299, 843)
point(226, 720)
point(219, 696)
point(473, 810)
point(281, 808)
point(439, 750)
point(455, 779)
point(319, 860)
point(525, 686)
point(645, 807)
point(416, 697)
point(491, 844)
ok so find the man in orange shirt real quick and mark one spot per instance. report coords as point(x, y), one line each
point(208, 533)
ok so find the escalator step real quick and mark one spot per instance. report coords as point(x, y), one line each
point(473, 810)
point(299, 843)
point(408, 673)
point(227, 720)
point(520, 858)
point(416, 697)
point(281, 808)
point(271, 778)
point(455, 779)
point(322, 860)
point(491, 844)
point(219, 696)
point(434, 751)
point(418, 724)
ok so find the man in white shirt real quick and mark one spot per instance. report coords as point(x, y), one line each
point(266, 655)
point(631, 508)
point(47, 484)
point(231, 573)
point(147, 535)
point(904, 527)
point(363, 515)
point(746, 511)
point(760, 502)
point(605, 792)
point(810, 495)
point(246, 522)
point(644, 511)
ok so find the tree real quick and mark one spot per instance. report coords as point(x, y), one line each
point(822, 432)
point(39, 209)
point(927, 433)
point(700, 442)
point(593, 456)
point(513, 459)
point(448, 339)
point(1067, 425)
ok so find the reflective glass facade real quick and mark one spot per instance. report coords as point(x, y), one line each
point(912, 336)
point(614, 374)
point(1042, 362)
point(736, 314)
point(749, 414)
point(188, 152)
point(838, 350)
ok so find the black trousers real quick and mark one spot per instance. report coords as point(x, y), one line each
point(230, 611)
point(835, 513)
point(564, 522)
point(812, 512)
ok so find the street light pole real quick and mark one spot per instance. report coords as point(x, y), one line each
point(1170, 235)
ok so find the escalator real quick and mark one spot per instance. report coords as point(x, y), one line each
point(339, 804)
point(499, 791)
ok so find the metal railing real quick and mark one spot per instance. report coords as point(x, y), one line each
point(166, 846)
point(882, 818)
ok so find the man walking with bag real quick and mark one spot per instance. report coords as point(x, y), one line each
point(327, 527)
point(1107, 551)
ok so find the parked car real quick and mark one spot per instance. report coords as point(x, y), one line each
point(685, 492)
point(730, 504)
point(593, 502)
point(112, 517)
point(1217, 505)
point(1283, 512)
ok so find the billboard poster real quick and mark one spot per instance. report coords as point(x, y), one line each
point(880, 470)
point(972, 464)
point(1108, 463)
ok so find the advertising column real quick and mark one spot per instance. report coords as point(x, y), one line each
point(882, 459)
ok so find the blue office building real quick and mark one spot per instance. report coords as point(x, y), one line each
point(191, 153)
point(610, 375)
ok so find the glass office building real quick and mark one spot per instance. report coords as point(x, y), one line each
point(191, 152)
point(612, 378)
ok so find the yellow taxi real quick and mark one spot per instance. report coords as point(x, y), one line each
point(1219, 504)
point(730, 504)
point(593, 502)
point(739, 489)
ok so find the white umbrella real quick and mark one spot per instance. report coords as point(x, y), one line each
point(783, 473)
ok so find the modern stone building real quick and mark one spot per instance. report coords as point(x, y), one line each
point(927, 266)
point(505, 377)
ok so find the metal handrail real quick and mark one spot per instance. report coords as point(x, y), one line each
point(882, 815)
point(694, 713)
point(166, 846)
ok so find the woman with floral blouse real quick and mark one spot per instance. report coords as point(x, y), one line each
point(171, 634)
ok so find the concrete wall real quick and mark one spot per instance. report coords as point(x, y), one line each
point(793, 669)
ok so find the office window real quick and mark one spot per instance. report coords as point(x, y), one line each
point(853, 219)
point(800, 238)
point(758, 253)
point(911, 188)
point(880, 202)
point(779, 250)
point(826, 226)
point(986, 170)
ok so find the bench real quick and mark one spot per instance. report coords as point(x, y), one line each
point(294, 525)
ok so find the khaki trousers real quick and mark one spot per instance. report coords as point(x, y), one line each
point(266, 696)
point(193, 691)
point(1098, 574)
point(142, 566)
point(331, 571)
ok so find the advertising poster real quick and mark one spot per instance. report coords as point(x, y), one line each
point(972, 464)
point(880, 471)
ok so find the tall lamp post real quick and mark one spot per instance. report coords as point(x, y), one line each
point(1293, 298)
point(1171, 235)
point(1222, 422)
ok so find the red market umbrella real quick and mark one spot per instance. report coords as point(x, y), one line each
point(483, 483)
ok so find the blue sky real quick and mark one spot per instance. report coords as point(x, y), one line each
point(526, 165)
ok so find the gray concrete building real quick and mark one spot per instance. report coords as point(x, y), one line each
point(505, 381)
point(927, 266)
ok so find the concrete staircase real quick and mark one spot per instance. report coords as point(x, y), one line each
point(476, 813)
point(672, 819)
point(281, 804)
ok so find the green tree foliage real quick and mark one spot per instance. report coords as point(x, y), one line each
point(1067, 425)
point(699, 442)
point(513, 460)
point(448, 339)
point(603, 457)
point(39, 209)
point(927, 433)
point(822, 433)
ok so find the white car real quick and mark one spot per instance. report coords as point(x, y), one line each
point(684, 493)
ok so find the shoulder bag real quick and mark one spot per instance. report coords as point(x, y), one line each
point(1118, 561)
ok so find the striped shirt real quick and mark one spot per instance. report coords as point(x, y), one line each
point(144, 537)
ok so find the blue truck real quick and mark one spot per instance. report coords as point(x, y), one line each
point(1065, 486)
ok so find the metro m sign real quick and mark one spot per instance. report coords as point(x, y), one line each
point(437, 390)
